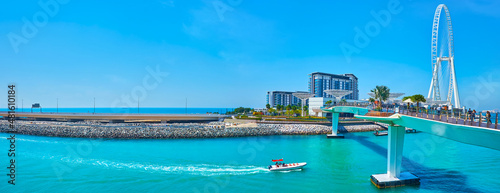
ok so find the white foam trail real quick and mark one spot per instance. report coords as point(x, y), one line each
point(286, 171)
point(65, 142)
point(194, 169)
point(36, 141)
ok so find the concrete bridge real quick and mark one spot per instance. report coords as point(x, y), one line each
point(484, 135)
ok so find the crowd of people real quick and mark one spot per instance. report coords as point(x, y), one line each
point(472, 115)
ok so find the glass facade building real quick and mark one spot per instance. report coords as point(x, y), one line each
point(281, 98)
point(319, 82)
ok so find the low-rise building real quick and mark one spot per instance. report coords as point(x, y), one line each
point(281, 98)
point(316, 103)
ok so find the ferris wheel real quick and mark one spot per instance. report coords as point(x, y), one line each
point(442, 58)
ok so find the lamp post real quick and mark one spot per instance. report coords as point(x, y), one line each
point(302, 96)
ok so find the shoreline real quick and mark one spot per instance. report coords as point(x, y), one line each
point(90, 129)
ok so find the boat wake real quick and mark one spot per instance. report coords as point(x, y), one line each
point(286, 171)
point(36, 141)
point(190, 169)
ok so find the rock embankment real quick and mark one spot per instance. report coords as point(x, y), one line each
point(169, 131)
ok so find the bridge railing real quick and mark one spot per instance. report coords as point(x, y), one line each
point(348, 104)
point(456, 116)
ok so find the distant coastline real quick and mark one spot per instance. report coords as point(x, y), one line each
point(153, 110)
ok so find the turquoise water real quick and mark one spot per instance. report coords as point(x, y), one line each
point(51, 164)
point(169, 110)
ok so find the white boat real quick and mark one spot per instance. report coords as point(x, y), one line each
point(283, 166)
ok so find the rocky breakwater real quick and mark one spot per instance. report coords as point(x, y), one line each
point(165, 131)
point(359, 127)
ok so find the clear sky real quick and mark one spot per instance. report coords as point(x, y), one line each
point(228, 53)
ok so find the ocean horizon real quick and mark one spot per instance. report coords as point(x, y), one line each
point(145, 110)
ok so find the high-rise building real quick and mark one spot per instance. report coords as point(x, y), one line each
point(281, 98)
point(319, 82)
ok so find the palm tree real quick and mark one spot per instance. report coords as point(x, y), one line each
point(268, 106)
point(327, 103)
point(343, 101)
point(371, 100)
point(381, 94)
point(418, 98)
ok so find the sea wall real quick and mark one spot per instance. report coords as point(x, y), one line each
point(169, 131)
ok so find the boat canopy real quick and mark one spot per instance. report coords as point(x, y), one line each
point(277, 160)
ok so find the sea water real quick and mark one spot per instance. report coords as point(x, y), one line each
point(53, 164)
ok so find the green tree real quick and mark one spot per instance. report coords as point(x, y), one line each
point(371, 100)
point(294, 107)
point(289, 107)
point(343, 101)
point(271, 110)
point(381, 94)
point(279, 108)
point(268, 106)
point(418, 98)
point(328, 103)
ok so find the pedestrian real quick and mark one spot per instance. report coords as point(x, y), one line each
point(473, 115)
point(488, 117)
point(438, 109)
point(470, 114)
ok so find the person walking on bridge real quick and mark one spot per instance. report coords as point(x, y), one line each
point(488, 117)
point(473, 115)
point(470, 114)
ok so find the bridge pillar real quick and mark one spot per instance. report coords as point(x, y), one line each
point(335, 127)
point(395, 150)
point(394, 177)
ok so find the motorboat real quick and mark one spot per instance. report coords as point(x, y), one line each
point(380, 133)
point(383, 133)
point(279, 166)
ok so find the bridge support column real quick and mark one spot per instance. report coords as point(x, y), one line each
point(395, 150)
point(394, 177)
point(335, 127)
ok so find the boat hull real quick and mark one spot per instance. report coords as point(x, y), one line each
point(288, 167)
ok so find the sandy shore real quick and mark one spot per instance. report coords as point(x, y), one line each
point(171, 131)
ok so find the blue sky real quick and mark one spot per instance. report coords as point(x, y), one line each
point(229, 53)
